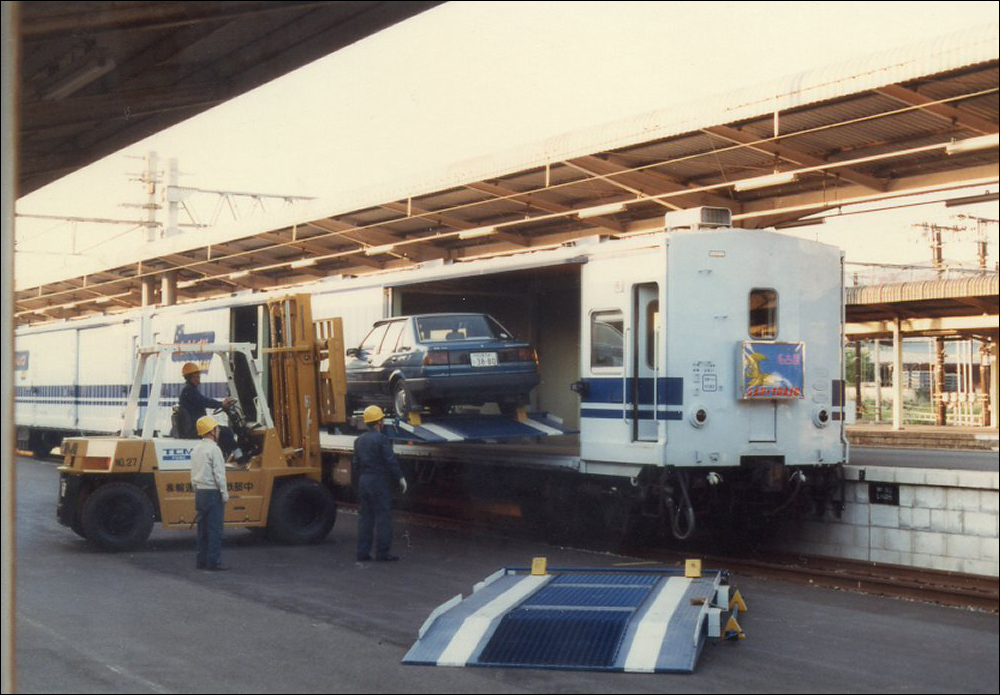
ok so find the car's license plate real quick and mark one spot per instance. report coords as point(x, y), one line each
point(483, 359)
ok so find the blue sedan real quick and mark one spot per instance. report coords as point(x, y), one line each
point(440, 360)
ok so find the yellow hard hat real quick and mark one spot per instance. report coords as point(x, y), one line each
point(205, 425)
point(373, 414)
point(190, 368)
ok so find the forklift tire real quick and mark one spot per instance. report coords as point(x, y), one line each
point(77, 527)
point(117, 516)
point(302, 512)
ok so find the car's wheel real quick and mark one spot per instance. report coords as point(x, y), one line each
point(117, 516)
point(402, 400)
point(302, 511)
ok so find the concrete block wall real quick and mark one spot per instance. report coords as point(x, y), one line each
point(945, 520)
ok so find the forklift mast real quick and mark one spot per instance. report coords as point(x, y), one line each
point(305, 395)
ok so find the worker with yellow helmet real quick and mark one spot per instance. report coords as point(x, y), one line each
point(377, 468)
point(196, 404)
point(208, 478)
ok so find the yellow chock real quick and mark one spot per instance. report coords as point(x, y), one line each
point(692, 568)
point(737, 601)
point(414, 418)
point(522, 413)
point(733, 629)
point(538, 566)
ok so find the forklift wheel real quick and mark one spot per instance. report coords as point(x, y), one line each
point(117, 516)
point(302, 511)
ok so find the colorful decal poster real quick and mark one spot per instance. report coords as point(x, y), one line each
point(773, 370)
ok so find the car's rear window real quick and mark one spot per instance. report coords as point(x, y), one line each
point(444, 328)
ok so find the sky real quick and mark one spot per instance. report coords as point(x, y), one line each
point(469, 79)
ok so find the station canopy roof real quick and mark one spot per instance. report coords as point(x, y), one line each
point(919, 120)
point(95, 77)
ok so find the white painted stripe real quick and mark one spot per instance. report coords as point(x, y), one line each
point(540, 427)
point(442, 432)
point(652, 630)
point(467, 637)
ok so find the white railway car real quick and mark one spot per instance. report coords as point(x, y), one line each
point(701, 365)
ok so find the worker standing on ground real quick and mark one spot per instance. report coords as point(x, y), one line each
point(208, 478)
point(194, 403)
point(378, 469)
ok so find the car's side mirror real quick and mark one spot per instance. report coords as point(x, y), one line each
point(403, 348)
point(353, 352)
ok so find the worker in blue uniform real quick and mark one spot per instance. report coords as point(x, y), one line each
point(195, 404)
point(378, 468)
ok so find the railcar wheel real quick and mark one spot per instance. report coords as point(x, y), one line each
point(117, 517)
point(302, 512)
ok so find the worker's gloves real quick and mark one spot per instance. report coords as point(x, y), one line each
point(402, 485)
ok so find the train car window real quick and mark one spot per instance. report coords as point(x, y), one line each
point(763, 313)
point(652, 332)
point(607, 342)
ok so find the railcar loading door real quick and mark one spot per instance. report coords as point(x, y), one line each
point(645, 363)
point(622, 392)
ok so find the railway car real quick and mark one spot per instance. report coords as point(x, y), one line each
point(701, 366)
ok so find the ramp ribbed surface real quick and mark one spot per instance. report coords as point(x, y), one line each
point(557, 638)
point(619, 620)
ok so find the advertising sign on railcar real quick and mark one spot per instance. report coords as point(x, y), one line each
point(772, 370)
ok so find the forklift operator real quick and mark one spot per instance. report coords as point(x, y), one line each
point(195, 404)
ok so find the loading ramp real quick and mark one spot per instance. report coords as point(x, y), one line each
point(475, 427)
point(632, 620)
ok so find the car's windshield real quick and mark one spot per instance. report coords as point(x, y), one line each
point(463, 327)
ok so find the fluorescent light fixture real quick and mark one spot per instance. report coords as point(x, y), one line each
point(187, 283)
point(103, 300)
point(983, 142)
point(599, 210)
point(303, 263)
point(971, 200)
point(800, 223)
point(775, 179)
point(239, 274)
point(78, 80)
point(374, 250)
point(477, 232)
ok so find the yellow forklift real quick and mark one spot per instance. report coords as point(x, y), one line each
point(113, 489)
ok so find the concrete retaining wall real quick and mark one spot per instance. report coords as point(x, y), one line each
point(944, 520)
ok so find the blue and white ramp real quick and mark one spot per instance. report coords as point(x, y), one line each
point(473, 427)
point(647, 621)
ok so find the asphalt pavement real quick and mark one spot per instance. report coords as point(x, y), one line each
point(311, 619)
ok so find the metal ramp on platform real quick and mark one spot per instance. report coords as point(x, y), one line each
point(646, 621)
point(474, 427)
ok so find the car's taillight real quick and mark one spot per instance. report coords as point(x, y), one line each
point(527, 354)
point(436, 357)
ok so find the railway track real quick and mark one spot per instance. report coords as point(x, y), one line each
point(929, 586)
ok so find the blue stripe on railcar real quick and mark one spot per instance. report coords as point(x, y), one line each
point(669, 390)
